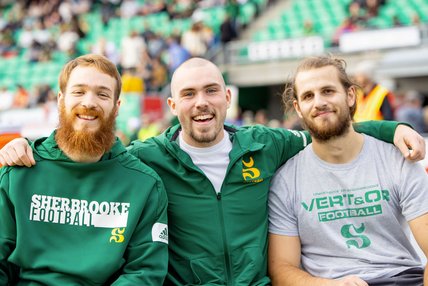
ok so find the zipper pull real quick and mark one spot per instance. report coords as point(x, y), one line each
point(218, 196)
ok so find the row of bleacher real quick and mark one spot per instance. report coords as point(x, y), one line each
point(18, 70)
point(327, 15)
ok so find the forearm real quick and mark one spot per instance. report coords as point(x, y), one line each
point(288, 275)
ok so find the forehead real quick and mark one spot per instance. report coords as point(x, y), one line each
point(317, 78)
point(196, 78)
point(91, 77)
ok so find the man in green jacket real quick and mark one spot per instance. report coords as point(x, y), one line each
point(89, 213)
point(217, 179)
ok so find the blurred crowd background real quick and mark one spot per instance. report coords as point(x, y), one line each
point(148, 39)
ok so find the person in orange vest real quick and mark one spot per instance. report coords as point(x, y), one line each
point(374, 101)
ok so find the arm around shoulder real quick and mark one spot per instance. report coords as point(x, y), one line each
point(399, 134)
point(17, 152)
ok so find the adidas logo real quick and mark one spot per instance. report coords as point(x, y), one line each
point(164, 234)
point(160, 232)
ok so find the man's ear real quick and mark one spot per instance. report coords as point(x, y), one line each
point(297, 108)
point(171, 104)
point(58, 98)
point(351, 95)
point(118, 102)
point(228, 97)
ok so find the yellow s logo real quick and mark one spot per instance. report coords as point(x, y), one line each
point(117, 235)
point(250, 173)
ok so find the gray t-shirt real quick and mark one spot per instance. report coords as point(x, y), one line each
point(351, 218)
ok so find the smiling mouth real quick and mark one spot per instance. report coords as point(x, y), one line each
point(203, 118)
point(321, 113)
point(86, 117)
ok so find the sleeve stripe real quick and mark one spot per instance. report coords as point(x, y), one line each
point(305, 142)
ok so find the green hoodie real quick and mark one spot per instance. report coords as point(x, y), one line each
point(222, 239)
point(68, 223)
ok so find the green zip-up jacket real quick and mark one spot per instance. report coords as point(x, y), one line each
point(222, 239)
point(68, 223)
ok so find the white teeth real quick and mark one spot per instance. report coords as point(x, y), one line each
point(203, 117)
point(87, 117)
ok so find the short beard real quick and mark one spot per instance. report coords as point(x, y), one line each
point(203, 139)
point(85, 143)
point(330, 131)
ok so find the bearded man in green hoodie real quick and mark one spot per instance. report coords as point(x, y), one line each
point(88, 213)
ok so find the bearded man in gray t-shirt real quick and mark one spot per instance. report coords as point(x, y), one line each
point(341, 211)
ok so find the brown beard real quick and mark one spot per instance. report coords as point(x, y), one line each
point(325, 133)
point(85, 143)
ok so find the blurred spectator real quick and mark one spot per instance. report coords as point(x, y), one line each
point(132, 83)
point(227, 31)
point(197, 39)
point(65, 10)
point(396, 22)
point(7, 42)
point(108, 10)
point(247, 118)
point(133, 51)
point(374, 102)
point(129, 8)
point(181, 8)
point(159, 75)
point(6, 98)
point(42, 94)
point(292, 120)
point(372, 8)
point(26, 38)
point(149, 128)
point(357, 15)
point(176, 53)
point(21, 98)
point(107, 49)
point(67, 39)
point(309, 28)
point(410, 111)
point(261, 117)
point(348, 25)
point(274, 123)
point(233, 10)
point(155, 44)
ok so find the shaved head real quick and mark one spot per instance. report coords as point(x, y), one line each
point(193, 63)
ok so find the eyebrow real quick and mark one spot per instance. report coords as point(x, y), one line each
point(97, 87)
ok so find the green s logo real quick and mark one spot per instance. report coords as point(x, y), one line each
point(362, 241)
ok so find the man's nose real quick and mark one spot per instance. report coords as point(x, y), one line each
point(89, 99)
point(201, 99)
point(319, 100)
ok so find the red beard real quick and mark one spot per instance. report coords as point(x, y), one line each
point(83, 142)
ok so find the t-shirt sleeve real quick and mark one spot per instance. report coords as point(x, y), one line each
point(413, 189)
point(282, 215)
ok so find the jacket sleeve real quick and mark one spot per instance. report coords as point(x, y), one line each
point(7, 230)
point(288, 142)
point(381, 129)
point(147, 253)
